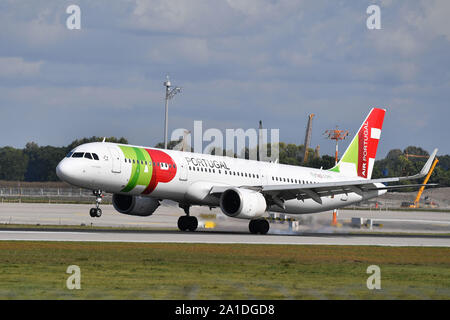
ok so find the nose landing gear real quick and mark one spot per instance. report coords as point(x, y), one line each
point(187, 222)
point(96, 212)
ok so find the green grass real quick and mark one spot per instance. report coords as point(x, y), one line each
point(37, 270)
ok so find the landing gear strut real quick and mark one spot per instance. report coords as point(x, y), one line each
point(96, 212)
point(187, 222)
point(259, 226)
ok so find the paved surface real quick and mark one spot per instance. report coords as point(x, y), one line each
point(166, 216)
point(161, 227)
point(221, 237)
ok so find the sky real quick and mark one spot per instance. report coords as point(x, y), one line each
point(237, 61)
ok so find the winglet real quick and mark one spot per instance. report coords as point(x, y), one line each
point(428, 164)
point(425, 168)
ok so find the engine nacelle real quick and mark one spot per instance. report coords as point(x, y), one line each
point(242, 203)
point(135, 205)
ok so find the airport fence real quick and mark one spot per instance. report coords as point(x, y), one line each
point(70, 195)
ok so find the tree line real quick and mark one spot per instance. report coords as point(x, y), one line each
point(38, 163)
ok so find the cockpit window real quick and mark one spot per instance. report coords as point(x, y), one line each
point(69, 154)
point(95, 156)
point(78, 155)
point(88, 155)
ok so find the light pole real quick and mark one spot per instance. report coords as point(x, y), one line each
point(170, 93)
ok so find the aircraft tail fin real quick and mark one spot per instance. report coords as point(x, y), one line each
point(359, 158)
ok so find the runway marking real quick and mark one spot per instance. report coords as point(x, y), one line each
point(206, 238)
point(411, 220)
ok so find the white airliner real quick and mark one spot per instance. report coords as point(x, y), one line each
point(140, 178)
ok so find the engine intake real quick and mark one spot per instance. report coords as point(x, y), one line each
point(135, 205)
point(242, 203)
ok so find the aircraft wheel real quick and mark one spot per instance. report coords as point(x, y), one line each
point(193, 223)
point(259, 226)
point(252, 226)
point(183, 223)
point(99, 213)
point(263, 226)
point(93, 212)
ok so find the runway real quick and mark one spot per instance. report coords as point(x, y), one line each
point(161, 227)
point(225, 238)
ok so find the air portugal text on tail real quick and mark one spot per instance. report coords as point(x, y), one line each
point(359, 158)
point(140, 178)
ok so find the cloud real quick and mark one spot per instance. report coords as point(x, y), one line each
point(180, 50)
point(236, 61)
point(18, 67)
point(82, 99)
point(434, 19)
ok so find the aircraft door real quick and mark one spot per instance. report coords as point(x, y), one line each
point(183, 170)
point(115, 158)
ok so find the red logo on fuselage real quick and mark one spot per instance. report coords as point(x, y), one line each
point(164, 169)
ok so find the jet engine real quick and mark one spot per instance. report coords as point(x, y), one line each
point(135, 205)
point(242, 203)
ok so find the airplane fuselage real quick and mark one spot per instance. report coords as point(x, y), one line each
point(188, 177)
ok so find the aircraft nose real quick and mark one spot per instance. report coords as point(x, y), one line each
point(63, 170)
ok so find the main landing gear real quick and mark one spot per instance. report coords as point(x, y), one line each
point(259, 226)
point(187, 222)
point(96, 212)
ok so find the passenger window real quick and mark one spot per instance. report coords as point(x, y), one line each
point(78, 155)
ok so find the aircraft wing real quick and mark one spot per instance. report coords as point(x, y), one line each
point(279, 193)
